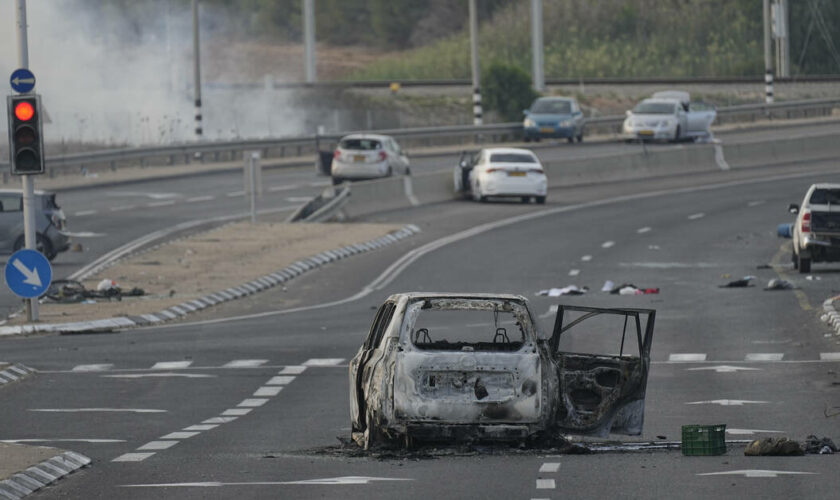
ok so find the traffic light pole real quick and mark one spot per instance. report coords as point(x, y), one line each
point(29, 234)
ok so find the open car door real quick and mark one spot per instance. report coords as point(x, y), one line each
point(602, 357)
point(461, 175)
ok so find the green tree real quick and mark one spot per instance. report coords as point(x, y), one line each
point(507, 90)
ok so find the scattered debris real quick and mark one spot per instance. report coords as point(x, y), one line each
point(782, 447)
point(608, 286)
point(569, 290)
point(779, 284)
point(741, 283)
point(811, 277)
point(72, 291)
point(764, 266)
point(824, 446)
point(631, 289)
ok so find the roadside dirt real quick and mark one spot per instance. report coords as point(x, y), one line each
point(207, 262)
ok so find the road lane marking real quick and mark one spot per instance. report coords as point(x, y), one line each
point(280, 380)
point(755, 473)
point(197, 199)
point(252, 402)
point(750, 432)
point(62, 440)
point(202, 428)
point(643, 230)
point(696, 216)
point(219, 420)
point(235, 193)
point(132, 457)
point(764, 356)
point(300, 199)
point(830, 356)
point(550, 467)
point(123, 207)
point(93, 410)
point(320, 184)
point(546, 484)
point(82, 213)
point(180, 435)
point(93, 368)
point(160, 375)
point(158, 445)
point(245, 363)
point(574, 272)
point(784, 250)
point(161, 204)
point(268, 391)
point(292, 370)
point(171, 365)
point(723, 368)
point(586, 258)
point(687, 357)
point(237, 412)
point(324, 362)
point(755, 203)
point(326, 481)
point(728, 402)
point(608, 244)
point(274, 189)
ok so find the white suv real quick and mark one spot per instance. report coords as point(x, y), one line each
point(816, 232)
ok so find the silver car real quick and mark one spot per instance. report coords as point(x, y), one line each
point(448, 367)
point(50, 223)
point(367, 156)
point(669, 116)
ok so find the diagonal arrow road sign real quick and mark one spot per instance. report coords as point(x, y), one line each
point(30, 275)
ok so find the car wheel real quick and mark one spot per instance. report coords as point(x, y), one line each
point(570, 139)
point(540, 200)
point(525, 199)
point(42, 245)
point(580, 137)
point(804, 265)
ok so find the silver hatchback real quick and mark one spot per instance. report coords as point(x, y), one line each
point(50, 223)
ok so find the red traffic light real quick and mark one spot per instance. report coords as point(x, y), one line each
point(24, 111)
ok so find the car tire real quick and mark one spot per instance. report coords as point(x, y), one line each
point(804, 265)
point(540, 200)
point(580, 137)
point(42, 244)
point(525, 199)
point(570, 139)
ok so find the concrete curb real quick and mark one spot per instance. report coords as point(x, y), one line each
point(831, 316)
point(41, 475)
point(14, 373)
point(183, 309)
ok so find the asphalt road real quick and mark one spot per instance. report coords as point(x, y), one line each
point(108, 397)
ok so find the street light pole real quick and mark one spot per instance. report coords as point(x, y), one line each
point(476, 77)
point(29, 234)
point(768, 57)
point(197, 71)
point(537, 59)
point(309, 39)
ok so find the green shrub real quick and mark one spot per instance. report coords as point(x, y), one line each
point(507, 90)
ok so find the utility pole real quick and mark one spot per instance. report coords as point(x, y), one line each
point(476, 76)
point(309, 39)
point(768, 57)
point(537, 59)
point(197, 71)
point(782, 38)
point(29, 234)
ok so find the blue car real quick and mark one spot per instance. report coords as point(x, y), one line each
point(555, 118)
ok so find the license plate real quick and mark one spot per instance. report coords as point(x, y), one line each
point(517, 174)
point(359, 158)
point(645, 132)
point(547, 130)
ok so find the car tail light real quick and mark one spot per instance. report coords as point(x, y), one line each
point(806, 222)
point(535, 171)
point(382, 156)
point(337, 154)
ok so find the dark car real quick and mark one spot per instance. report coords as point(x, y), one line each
point(553, 117)
point(50, 223)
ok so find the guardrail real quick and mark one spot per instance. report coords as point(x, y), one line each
point(412, 137)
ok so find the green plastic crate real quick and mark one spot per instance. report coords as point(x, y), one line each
point(703, 440)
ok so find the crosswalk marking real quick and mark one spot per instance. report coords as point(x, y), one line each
point(550, 467)
point(218, 420)
point(292, 370)
point(205, 427)
point(93, 368)
point(324, 361)
point(268, 391)
point(686, 357)
point(238, 412)
point(830, 356)
point(546, 484)
point(246, 363)
point(132, 457)
point(179, 435)
point(171, 365)
point(253, 402)
point(158, 445)
point(280, 380)
point(764, 356)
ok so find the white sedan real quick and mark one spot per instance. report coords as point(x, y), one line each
point(367, 156)
point(669, 116)
point(503, 172)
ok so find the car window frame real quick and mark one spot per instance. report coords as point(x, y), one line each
point(19, 203)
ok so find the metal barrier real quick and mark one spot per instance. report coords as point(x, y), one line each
point(216, 151)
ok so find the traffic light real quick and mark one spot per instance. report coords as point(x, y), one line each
point(26, 144)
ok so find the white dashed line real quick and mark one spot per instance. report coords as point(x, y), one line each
point(94, 410)
point(199, 198)
point(574, 272)
point(252, 402)
point(219, 420)
point(682, 358)
point(550, 467)
point(82, 213)
point(546, 484)
point(171, 365)
point(160, 204)
point(643, 230)
point(280, 380)
point(245, 363)
point(292, 370)
point(830, 356)
point(238, 412)
point(324, 362)
point(607, 244)
point(268, 391)
point(274, 189)
point(235, 193)
point(158, 445)
point(764, 356)
point(92, 368)
point(320, 183)
point(586, 258)
point(123, 207)
point(132, 457)
point(299, 199)
point(755, 203)
point(205, 427)
point(179, 435)
point(696, 216)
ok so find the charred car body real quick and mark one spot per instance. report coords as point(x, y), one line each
point(475, 367)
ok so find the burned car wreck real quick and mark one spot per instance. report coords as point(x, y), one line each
point(475, 367)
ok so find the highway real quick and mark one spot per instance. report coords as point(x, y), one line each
point(196, 409)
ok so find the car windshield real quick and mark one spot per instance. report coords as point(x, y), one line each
point(825, 197)
point(654, 108)
point(551, 106)
point(360, 144)
point(467, 324)
point(511, 158)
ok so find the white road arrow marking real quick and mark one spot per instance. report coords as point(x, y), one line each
point(728, 402)
point(749, 432)
point(215, 484)
point(31, 277)
point(723, 368)
point(754, 473)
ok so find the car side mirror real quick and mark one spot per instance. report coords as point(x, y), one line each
point(793, 208)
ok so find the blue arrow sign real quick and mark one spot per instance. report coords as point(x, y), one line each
point(22, 80)
point(28, 273)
